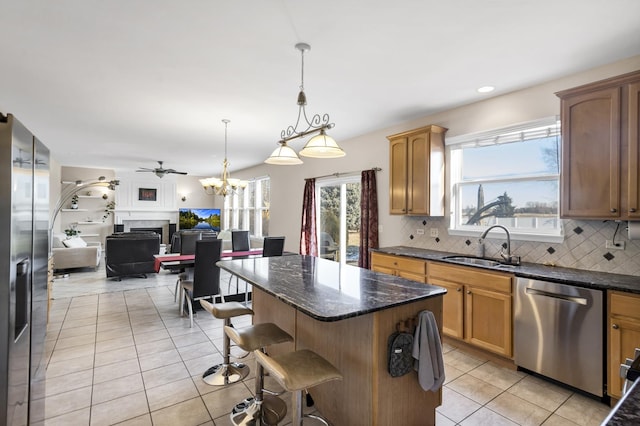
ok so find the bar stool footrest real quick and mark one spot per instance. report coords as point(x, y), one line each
point(224, 374)
point(270, 411)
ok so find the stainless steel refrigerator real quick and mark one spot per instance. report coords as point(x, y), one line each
point(24, 247)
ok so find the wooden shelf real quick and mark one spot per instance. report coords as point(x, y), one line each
point(90, 223)
point(74, 210)
point(89, 196)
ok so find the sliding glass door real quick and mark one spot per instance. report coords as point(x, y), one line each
point(339, 218)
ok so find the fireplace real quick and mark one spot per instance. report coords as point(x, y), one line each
point(162, 222)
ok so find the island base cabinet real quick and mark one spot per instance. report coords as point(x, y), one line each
point(357, 346)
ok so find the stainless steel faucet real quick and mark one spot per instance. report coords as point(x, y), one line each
point(514, 260)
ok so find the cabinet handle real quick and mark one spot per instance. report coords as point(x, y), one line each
point(615, 326)
point(632, 210)
point(458, 289)
point(468, 291)
point(613, 210)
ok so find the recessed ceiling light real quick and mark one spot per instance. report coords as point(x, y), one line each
point(486, 89)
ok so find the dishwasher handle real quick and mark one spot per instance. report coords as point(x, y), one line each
point(573, 299)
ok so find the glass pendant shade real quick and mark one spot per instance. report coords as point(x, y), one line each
point(283, 155)
point(322, 146)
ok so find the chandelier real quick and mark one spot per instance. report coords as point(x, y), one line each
point(319, 146)
point(224, 185)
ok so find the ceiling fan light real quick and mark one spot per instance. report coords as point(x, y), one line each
point(322, 146)
point(283, 155)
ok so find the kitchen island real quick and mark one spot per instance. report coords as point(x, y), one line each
point(345, 314)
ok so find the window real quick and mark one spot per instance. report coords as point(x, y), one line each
point(339, 219)
point(508, 177)
point(249, 208)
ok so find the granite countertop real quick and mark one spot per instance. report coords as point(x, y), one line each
point(626, 410)
point(579, 277)
point(326, 290)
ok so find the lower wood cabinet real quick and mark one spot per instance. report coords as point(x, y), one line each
point(623, 336)
point(477, 307)
point(400, 266)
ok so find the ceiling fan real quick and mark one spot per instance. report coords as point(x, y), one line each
point(160, 171)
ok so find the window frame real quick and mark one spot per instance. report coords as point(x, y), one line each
point(238, 211)
point(509, 134)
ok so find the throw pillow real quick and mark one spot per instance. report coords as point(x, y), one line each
point(74, 242)
point(58, 240)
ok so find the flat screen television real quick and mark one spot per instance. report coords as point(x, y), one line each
point(199, 219)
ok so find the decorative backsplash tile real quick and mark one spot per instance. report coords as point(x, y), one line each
point(583, 246)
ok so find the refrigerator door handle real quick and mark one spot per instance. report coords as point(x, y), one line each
point(573, 299)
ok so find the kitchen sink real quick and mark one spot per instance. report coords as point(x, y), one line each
point(470, 260)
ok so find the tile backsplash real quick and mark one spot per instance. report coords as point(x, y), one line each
point(583, 246)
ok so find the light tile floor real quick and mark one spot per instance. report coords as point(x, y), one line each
point(119, 353)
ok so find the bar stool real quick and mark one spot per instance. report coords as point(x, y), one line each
point(227, 372)
point(297, 371)
point(260, 409)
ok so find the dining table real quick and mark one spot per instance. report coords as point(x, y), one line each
point(178, 262)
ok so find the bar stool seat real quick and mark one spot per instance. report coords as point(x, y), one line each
point(297, 371)
point(261, 409)
point(228, 372)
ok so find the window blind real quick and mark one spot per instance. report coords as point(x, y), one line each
point(546, 127)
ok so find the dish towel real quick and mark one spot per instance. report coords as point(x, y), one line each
point(427, 351)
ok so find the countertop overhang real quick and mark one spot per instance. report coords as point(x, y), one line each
point(326, 290)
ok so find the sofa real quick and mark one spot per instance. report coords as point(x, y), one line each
point(70, 253)
point(131, 254)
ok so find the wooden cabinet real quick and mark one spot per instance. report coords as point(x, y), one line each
point(416, 181)
point(623, 336)
point(600, 149)
point(400, 266)
point(477, 307)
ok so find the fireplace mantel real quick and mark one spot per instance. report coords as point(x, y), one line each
point(140, 215)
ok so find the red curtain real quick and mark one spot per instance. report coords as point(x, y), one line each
point(368, 217)
point(308, 237)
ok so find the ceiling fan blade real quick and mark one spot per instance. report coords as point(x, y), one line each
point(145, 170)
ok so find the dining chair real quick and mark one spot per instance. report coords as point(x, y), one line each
point(272, 246)
point(206, 276)
point(240, 241)
point(188, 242)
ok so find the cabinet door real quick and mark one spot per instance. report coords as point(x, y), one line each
point(633, 134)
point(418, 174)
point(452, 308)
point(398, 176)
point(488, 320)
point(624, 335)
point(382, 269)
point(590, 178)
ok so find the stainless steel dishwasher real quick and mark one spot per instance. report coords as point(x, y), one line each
point(558, 332)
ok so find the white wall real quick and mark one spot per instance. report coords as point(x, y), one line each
point(366, 151)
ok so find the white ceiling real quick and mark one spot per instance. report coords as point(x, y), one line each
point(120, 84)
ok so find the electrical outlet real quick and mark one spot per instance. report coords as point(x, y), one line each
point(434, 232)
point(617, 246)
point(420, 231)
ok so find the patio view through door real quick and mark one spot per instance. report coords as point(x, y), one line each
point(338, 203)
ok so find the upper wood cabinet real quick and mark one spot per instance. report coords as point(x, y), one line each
point(416, 182)
point(600, 139)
